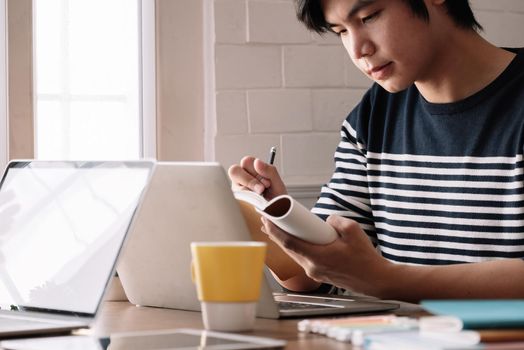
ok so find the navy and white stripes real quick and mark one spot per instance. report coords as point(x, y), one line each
point(435, 183)
point(423, 209)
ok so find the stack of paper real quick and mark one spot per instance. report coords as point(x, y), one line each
point(481, 314)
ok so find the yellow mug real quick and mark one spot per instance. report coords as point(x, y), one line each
point(228, 271)
point(228, 277)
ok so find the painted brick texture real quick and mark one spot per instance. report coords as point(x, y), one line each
point(276, 84)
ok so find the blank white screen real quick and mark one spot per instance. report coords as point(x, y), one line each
point(61, 229)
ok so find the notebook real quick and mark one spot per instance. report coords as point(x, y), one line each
point(193, 201)
point(481, 313)
point(62, 226)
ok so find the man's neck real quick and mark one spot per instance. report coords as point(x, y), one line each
point(466, 65)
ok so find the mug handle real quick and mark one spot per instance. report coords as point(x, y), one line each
point(193, 271)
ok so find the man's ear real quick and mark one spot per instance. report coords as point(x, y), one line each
point(435, 3)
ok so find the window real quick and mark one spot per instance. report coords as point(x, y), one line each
point(3, 88)
point(88, 79)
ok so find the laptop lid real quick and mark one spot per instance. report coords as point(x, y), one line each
point(62, 226)
point(187, 202)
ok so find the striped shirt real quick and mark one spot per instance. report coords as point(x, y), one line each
point(435, 184)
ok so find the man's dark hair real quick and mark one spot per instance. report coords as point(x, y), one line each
point(310, 13)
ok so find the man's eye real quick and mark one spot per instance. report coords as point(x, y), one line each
point(370, 18)
point(340, 32)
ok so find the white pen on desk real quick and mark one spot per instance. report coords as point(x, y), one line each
point(272, 153)
point(355, 329)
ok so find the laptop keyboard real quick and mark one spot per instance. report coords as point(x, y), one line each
point(285, 305)
point(9, 323)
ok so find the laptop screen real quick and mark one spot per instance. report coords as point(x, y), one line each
point(62, 225)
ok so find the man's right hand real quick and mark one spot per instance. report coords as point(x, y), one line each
point(258, 176)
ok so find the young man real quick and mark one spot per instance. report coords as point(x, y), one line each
point(430, 164)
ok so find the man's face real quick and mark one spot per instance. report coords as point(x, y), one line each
point(384, 39)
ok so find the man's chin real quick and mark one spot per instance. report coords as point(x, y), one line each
point(393, 87)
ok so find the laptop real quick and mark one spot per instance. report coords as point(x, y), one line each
point(193, 201)
point(62, 226)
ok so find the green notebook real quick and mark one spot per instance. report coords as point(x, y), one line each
point(508, 313)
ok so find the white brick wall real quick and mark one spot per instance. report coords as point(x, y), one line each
point(330, 106)
point(503, 21)
point(280, 110)
point(277, 84)
point(309, 154)
point(230, 21)
point(244, 66)
point(279, 28)
point(314, 66)
point(231, 111)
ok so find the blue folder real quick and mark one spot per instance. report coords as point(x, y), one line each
point(477, 314)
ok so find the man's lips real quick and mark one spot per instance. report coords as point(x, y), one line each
point(379, 72)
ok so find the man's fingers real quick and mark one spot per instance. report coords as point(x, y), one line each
point(282, 243)
point(343, 225)
point(264, 169)
point(248, 164)
point(301, 251)
point(242, 178)
point(270, 172)
point(284, 239)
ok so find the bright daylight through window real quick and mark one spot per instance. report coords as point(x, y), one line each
point(87, 79)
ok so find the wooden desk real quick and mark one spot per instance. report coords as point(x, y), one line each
point(120, 316)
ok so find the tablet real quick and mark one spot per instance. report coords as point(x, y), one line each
point(149, 340)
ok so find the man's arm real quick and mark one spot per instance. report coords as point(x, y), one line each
point(487, 280)
point(351, 262)
point(298, 283)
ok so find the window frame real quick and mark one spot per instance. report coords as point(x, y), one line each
point(4, 134)
point(147, 103)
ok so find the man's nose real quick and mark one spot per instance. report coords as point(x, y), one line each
point(358, 46)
